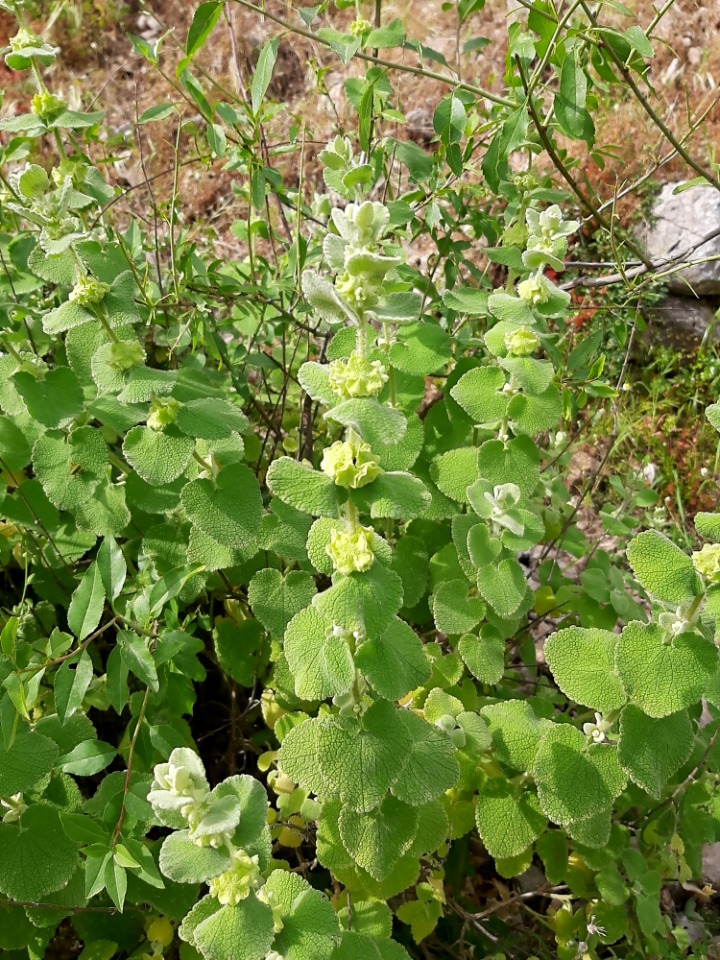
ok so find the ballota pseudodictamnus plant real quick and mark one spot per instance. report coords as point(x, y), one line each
point(376, 582)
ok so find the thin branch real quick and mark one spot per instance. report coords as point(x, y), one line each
point(379, 62)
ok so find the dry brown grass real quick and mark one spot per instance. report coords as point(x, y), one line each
point(99, 63)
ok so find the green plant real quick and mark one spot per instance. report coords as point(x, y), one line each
point(326, 490)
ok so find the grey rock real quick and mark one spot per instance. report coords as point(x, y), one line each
point(678, 222)
point(681, 323)
point(711, 864)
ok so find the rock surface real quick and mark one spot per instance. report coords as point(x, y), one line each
point(711, 864)
point(681, 323)
point(678, 222)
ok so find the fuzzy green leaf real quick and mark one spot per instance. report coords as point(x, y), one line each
point(575, 781)
point(507, 822)
point(516, 733)
point(503, 586)
point(651, 751)
point(183, 861)
point(397, 495)
point(377, 839)
point(484, 656)
point(310, 927)
point(314, 378)
point(299, 486)
point(237, 646)
point(517, 462)
point(454, 471)
point(479, 393)
point(30, 758)
point(356, 760)
point(211, 419)
point(664, 677)
point(275, 599)
point(323, 298)
point(430, 767)
point(376, 423)
point(320, 662)
point(708, 526)
point(395, 663)
point(229, 510)
point(662, 568)
point(54, 401)
point(36, 855)
point(364, 602)
point(453, 611)
point(422, 349)
point(159, 456)
point(242, 932)
point(71, 468)
point(582, 662)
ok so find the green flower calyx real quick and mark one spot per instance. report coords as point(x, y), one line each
point(25, 40)
point(521, 343)
point(126, 354)
point(361, 290)
point(46, 104)
point(707, 561)
point(350, 464)
point(238, 882)
point(357, 377)
point(351, 550)
point(535, 290)
point(164, 412)
point(360, 26)
point(88, 291)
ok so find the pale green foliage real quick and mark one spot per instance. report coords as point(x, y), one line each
point(329, 483)
point(583, 665)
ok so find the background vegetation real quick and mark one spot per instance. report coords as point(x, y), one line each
point(335, 397)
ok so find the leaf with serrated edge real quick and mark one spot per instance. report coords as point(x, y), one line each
point(395, 663)
point(662, 568)
point(310, 928)
point(515, 731)
point(507, 823)
point(663, 677)
point(377, 839)
point(430, 767)
point(321, 663)
point(651, 751)
point(241, 932)
point(582, 662)
point(229, 510)
point(275, 599)
point(575, 781)
point(299, 486)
